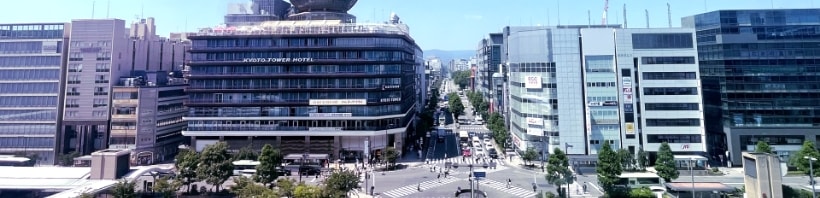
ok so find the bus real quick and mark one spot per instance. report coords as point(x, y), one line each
point(463, 137)
point(637, 180)
point(479, 120)
point(244, 167)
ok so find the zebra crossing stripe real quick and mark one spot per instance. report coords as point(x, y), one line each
point(413, 188)
point(513, 190)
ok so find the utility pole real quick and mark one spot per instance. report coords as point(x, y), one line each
point(647, 18)
point(669, 14)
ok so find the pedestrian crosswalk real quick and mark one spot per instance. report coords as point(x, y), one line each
point(414, 188)
point(472, 127)
point(464, 161)
point(463, 165)
point(501, 186)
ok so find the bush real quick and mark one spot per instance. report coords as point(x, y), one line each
point(796, 193)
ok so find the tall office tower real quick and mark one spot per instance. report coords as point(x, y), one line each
point(99, 53)
point(305, 86)
point(659, 91)
point(489, 53)
point(256, 11)
point(760, 73)
point(31, 62)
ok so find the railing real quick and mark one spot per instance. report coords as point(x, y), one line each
point(306, 27)
point(278, 128)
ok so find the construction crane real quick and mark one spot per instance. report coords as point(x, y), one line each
point(603, 17)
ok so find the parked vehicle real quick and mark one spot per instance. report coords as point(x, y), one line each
point(309, 170)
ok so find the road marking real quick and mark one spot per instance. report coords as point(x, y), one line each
point(501, 186)
point(414, 188)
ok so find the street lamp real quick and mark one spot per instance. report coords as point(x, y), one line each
point(566, 152)
point(304, 157)
point(811, 174)
point(692, 172)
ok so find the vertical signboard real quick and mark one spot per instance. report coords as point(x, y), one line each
point(627, 89)
point(630, 128)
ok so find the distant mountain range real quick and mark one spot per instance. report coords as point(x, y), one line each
point(447, 55)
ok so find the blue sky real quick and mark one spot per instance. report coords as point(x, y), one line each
point(435, 24)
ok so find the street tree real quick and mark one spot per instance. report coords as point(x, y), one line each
point(166, 187)
point(306, 191)
point(608, 168)
point(665, 164)
point(244, 187)
point(802, 164)
point(529, 155)
point(558, 172)
point(763, 147)
point(642, 159)
point(215, 165)
point(461, 78)
point(124, 189)
point(627, 160)
point(245, 153)
point(186, 163)
point(340, 183)
point(285, 187)
point(456, 107)
point(68, 159)
point(269, 160)
point(391, 155)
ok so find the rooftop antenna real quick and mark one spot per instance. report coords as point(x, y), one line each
point(559, 13)
point(704, 5)
point(108, 9)
point(624, 15)
point(603, 16)
point(647, 18)
point(548, 17)
point(669, 14)
point(142, 11)
point(93, 3)
point(589, 19)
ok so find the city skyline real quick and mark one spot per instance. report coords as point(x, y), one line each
point(447, 29)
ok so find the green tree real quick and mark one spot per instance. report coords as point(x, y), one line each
point(763, 147)
point(608, 168)
point(68, 159)
point(461, 78)
point(285, 186)
point(186, 162)
point(529, 155)
point(305, 191)
point(456, 107)
point(269, 160)
point(642, 192)
point(802, 164)
point(166, 187)
point(665, 164)
point(340, 183)
point(245, 153)
point(391, 155)
point(86, 195)
point(627, 160)
point(558, 172)
point(215, 165)
point(246, 188)
point(124, 189)
point(642, 159)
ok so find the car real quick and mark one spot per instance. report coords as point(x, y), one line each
point(487, 141)
point(493, 154)
point(479, 151)
point(488, 144)
point(283, 172)
point(472, 133)
point(309, 170)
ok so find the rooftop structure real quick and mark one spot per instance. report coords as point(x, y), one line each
point(307, 27)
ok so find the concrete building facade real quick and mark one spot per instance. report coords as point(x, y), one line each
point(31, 71)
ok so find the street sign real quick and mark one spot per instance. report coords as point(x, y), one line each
point(480, 173)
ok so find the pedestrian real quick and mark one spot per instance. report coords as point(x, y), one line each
point(509, 182)
point(419, 187)
point(439, 177)
point(372, 190)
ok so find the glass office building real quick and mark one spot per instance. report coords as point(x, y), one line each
point(321, 86)
point(760, 71)
point(31, 59)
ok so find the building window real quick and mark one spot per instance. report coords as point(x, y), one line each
point(106, 55)
point(100, 91)
point(73, 79)
point(101, 79)
point(71, 114)
point(99, 114)
point(75, 67)
point(72, 91)
point(662, 41)
point(75, 56)
point(671, 106)
point(103, 67)
point(100, 102)
point(670, 91)
point(682, 138)
point(687, 122)
point(668, 60)
point(669, 75)
point(71, 103)
point(125, 95)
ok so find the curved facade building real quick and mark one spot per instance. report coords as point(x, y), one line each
point(320, 87)
point(322, 10)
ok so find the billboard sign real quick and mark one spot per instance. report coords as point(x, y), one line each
point(532, 82)
point(535, 121)
point(611, 103)
point(628, 108)
point(630, 128)
point(535, 131)
point(628, 98)
point(324, 115)
point(331, 102)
